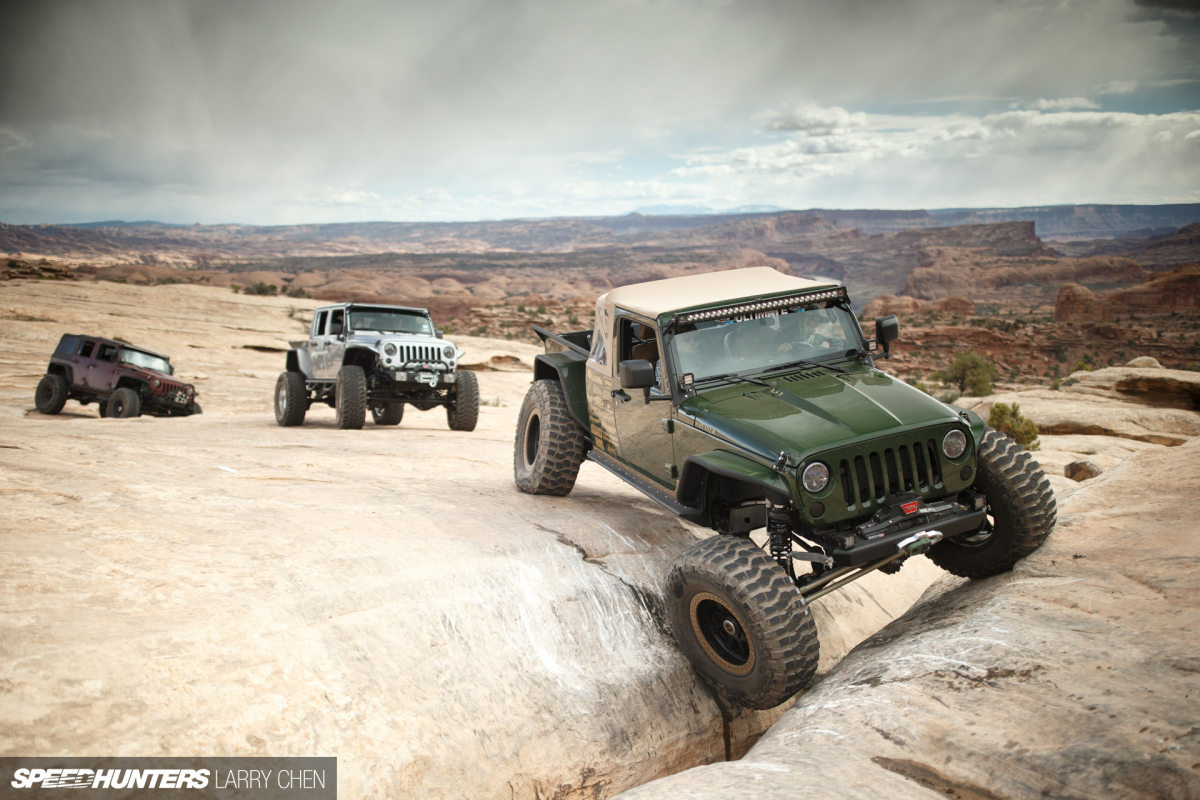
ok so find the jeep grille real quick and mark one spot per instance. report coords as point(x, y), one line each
point(418, 352)
point(907, 467)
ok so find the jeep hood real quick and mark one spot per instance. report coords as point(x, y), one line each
point(802, 414)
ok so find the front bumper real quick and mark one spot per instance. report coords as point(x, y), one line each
point(431, 378)
point(879, 536)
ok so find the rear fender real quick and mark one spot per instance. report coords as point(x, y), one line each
point(569, 370)
point(744, 480)
point(300, 361)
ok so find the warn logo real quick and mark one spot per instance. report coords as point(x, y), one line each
point(911, 507)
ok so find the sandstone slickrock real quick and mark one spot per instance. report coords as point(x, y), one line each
point(1144, 361)
point(1074, 676)
point(1065, 413)
point(1167, 388)
point(220, 585)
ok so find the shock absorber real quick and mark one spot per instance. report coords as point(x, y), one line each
point(779, 532)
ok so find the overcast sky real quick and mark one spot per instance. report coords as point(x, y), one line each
point(312, 111)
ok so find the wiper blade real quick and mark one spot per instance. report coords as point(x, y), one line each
point(733, 376)
point(804, 362)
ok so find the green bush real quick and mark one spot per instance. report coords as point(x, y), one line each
point(1008, 420)
point(297, 291)
point(971, 372)
point(262, 288)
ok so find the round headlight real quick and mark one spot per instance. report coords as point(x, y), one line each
point(954, 444)
point(448, 352)
point(157, 383)
point(815, 477)
point(389, 349)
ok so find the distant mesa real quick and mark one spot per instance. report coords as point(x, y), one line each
point(1177, 290)
point(886, 304)
point(691, 211)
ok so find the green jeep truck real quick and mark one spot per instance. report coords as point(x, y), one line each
point(748, 399)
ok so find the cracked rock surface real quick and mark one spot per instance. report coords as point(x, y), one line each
point(217, 585)
point(1075, 676)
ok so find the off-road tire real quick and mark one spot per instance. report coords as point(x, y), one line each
point(291, 399)
point(124, 403)
point(1021, 512)
point(463, 413)
point(387, 413)
point(351, 404)
point(550, 445)
point(195, 409)
point(51, 394)
point(102, 407)
point(741, 623)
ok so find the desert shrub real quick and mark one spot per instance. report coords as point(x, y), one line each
point(1056, 384)
point(1008, 420)
point(921, 385)
point(297, 291)
point(236, 288)
point(1082, 366)
point(971, 373)
point(262, 288)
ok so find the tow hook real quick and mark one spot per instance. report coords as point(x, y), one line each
point(919, 543)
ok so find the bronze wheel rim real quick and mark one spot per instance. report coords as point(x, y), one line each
point(722, 633)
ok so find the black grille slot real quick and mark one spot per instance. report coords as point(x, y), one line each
point(906, 468)
point(935, 466)
point(877, 476)
point(919, 458)
point(847, 488)
point(889, 461)
point(802, 376)
point(860, 470)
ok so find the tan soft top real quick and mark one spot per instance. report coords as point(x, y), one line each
point(674, 294)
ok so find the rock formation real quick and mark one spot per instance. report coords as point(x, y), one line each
point(886, 304)
point(219, 585)
point(1073, 676)
point(969, 278)
point(1177, 290)
point(1065, 412)
point(1165, 388)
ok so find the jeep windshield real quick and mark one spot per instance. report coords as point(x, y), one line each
point(389, 320)
point(140, 358)
point(724, 347)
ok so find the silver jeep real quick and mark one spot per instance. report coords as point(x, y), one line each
point(361, 356)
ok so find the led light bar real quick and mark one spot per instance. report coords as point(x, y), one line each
point(764, 305)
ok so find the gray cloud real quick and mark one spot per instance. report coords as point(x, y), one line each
point(288, 111)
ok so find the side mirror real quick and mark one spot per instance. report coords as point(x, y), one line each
point(887, 330)
point(335, 329)
point(439, 332)
point(636, 373)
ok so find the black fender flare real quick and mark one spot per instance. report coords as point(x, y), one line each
point(761, 479)
point(569, 370)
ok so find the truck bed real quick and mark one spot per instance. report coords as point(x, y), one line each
point(579, 342)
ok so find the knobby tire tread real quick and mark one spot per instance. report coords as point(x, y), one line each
point(1018, 484)
point(788, 651)
point(463, 413)
point(562, 443)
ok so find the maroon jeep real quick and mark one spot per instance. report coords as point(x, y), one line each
point(126, 381)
